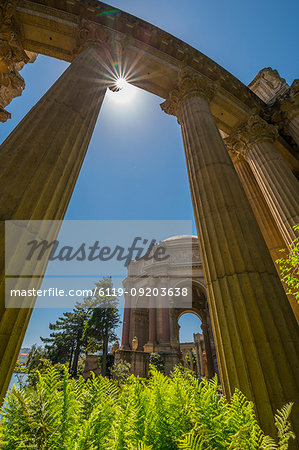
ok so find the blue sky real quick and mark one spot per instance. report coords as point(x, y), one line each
point(135, 167)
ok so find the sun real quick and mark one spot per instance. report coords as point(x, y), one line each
point(121, 83)
point(125, 94)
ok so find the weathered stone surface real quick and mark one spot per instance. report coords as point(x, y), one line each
point(268, 84)
point(39, 164)
point(254, 326)
point(12, 57)
point(267, 224)
point(278, 184)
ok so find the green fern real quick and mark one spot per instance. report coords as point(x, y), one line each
point(163, 413)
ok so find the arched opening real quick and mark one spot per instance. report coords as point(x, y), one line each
point(191, 343)
point(196, 343)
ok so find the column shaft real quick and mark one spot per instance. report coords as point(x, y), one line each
point(39, 164)
point(125, 341)
point(278, 185)
point(165, 322)
point(152, 320)
point(254, 327)
point(263, 215)
point(208, 348)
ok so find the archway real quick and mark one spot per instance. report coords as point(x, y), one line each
point(192, 343)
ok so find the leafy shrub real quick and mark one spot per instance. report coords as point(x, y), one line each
point(289, 267)
point(157, 361)
point(121, 371)
point(176, 412)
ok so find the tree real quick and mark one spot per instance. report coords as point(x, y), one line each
point(36, 353)
point(289, 267)
point(66, 342)
point(103, 320)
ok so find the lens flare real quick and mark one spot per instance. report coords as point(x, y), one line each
point(121, 83)
point(124, 94)
point(108, 13)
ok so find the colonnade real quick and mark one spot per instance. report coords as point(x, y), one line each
point(255, 329)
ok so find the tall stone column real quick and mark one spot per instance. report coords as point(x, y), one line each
point(152, 325)
point(208, 348)
point(125, 341)
point(165, 314)
point(254, 327)
point(262, 213)
point(39, 165)
point(278, 184)
point(173, 316)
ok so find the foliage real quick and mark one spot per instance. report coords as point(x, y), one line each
point(166, 413)
point(102, 321)
point(157, 361)
point(43, 366)
point(289, 267)
point(66, 342)
point(121, 371)
point(36, 354)
point(90, 326)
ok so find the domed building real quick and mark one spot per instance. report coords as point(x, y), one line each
point(158, 293)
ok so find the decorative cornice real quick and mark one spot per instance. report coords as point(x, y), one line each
point(12, 58)
point(252, 132)
point(189, 85)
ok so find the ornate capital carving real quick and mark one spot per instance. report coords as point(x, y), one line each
point(252, 132)
point(111, 47)
point(89, 34)
point(189, 85)
point(12, 58)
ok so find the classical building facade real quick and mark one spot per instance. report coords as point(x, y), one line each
point(151, 322)
point(242, 161)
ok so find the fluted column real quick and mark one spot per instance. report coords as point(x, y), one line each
point(165, 315)
point(254, 327)
point(152, 325)
point(39, 165)
point(125, 341)
point(278, 184)
point(263, 215)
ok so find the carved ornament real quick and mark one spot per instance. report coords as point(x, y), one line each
point(252, 132)
point(189, 85)
point(12, 58)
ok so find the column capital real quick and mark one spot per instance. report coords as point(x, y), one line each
point(250, 133)
point(110, 44)
point(13, 57)
point(189, 84)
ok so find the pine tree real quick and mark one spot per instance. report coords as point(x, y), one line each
point(65, 344)
point(103, 320)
